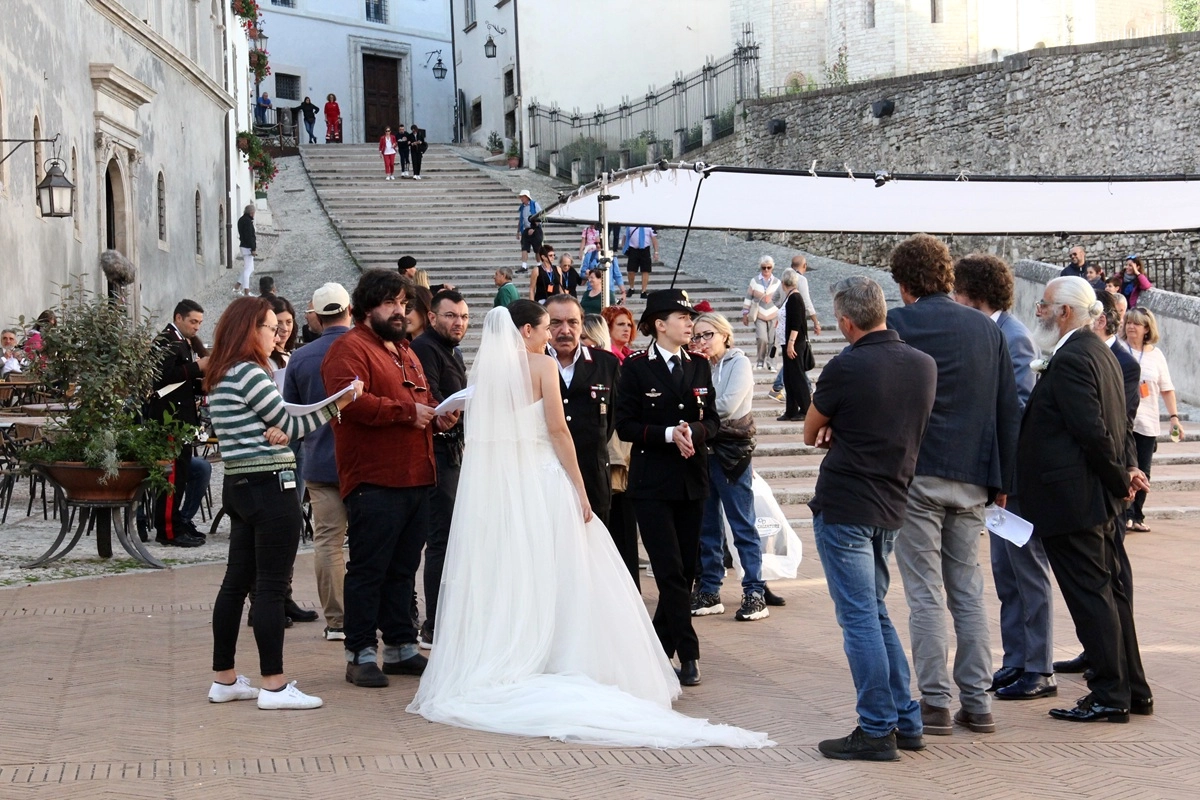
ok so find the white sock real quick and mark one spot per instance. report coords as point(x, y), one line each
point(524, 265)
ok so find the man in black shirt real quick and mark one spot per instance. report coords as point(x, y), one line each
point(442, 361)
point(1078, 264)
point(870, 409)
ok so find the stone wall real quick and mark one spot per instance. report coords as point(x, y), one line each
point(1109, 108)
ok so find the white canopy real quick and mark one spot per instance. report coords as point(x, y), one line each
point(734, 198)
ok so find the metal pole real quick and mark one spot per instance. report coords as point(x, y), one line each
point(605, 258)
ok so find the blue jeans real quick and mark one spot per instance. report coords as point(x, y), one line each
point(855, 558)
point(308, 126)
point(197, 484)
point(737, 498)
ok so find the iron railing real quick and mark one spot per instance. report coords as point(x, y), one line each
point(1167, 272)
point(663, 115)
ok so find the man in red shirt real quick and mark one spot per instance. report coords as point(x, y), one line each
point(385, 462)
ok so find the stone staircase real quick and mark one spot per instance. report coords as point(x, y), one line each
point(460, 225)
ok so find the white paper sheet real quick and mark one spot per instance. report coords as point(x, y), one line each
point(455, 402)
point(297, 410)
point(166, 390)
point(1008, 525)
point(278, 376)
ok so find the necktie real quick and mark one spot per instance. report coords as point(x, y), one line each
point(677, 374)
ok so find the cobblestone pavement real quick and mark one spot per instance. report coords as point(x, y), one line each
point(104, 696)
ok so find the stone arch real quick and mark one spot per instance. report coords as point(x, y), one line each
point(116, 216)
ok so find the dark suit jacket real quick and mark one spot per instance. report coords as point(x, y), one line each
point(972, 433)
point(648, 404)
point(591, 418)
point(1131, 373)
point(1076, 444)
point(178, 366)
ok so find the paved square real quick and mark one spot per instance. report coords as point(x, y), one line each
point(105, 681)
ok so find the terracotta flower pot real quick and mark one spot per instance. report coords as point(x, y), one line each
point(81, 483)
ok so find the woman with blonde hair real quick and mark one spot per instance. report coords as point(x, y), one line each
point(1141, 334)
point(759, 310)
point(729, 475)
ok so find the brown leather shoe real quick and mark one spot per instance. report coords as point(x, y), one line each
point(936, 720)
point(980, 723)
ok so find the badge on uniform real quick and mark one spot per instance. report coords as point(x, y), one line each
point(653, 393)
point(598, 393)
point(701, 392)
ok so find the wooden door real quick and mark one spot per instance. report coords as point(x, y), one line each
point(381, 95)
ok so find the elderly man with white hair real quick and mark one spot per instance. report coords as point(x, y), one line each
point(1076, 470)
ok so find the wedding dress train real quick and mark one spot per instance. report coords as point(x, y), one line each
point(540, 631)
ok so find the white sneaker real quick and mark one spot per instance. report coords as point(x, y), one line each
point(240, 689)
point(416, 177)
point(287, 698)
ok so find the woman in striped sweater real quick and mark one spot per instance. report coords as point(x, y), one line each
point(253, 429)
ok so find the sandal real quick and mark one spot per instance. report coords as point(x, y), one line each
point(1137, 527)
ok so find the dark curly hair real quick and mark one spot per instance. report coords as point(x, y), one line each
point(376, 286)
point(984, 278)
point(923, 266)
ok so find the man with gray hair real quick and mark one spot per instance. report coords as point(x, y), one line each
point(870, 409)
point(1076, 469)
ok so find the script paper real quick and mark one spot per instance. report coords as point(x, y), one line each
point(455, 402)
point(297, 410)
point(1007, 525)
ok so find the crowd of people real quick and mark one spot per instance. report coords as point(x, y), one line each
point(659, 441)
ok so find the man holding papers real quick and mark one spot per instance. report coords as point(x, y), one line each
point(1076, 468)
point(384, 449)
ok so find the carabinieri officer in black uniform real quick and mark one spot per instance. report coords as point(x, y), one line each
point(587, 378)
point(666, 407)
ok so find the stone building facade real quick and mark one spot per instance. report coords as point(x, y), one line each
point(802, 40)
point(1113, 108)
point(142, 95)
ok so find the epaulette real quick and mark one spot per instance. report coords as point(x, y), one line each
point(636, 354)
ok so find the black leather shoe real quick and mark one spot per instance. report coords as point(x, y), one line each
point(772, 598)
point(689, 673)
point(298, 614)
point(367, 675)
point(1005, 676)
point(180, 540)
point(1087, 710)
point(413, 665)
point(1077, 664)
point(1143, 708)
point(1029, 686)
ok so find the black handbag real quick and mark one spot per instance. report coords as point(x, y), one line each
point(734, 445)
point(807, 359)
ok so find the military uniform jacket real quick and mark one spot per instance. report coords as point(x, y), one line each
point(591, 418)
point(178, 366)
point(649, 403)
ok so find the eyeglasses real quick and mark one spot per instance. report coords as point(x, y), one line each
point(703, 337)
point(767, 269)
point(1040, 304)
point(456, 317)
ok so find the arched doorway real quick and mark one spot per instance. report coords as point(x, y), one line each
point(116, 215)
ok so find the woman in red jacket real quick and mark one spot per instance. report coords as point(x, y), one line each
point(387, 149)
point(333, 120)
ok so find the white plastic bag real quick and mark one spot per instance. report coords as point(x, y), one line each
point(782, 550)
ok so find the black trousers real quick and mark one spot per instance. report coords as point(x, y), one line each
point(386, 531)
point(403, 152)
point(166, 506)
point(671, 534)
point(794, 383)
point(1087, 567)
point(264, 532)
point(441, 511)
point(417, 155)
point(1146, 445)
point(622, 526)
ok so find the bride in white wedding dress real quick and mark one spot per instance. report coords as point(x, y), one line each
point(540, 631)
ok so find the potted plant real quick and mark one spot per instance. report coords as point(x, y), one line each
point(495, 144)
point(514, 153)
point(260, 64)
point(99, 448)
point(258, 158)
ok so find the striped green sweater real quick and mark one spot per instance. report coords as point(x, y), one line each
point(243, 405)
